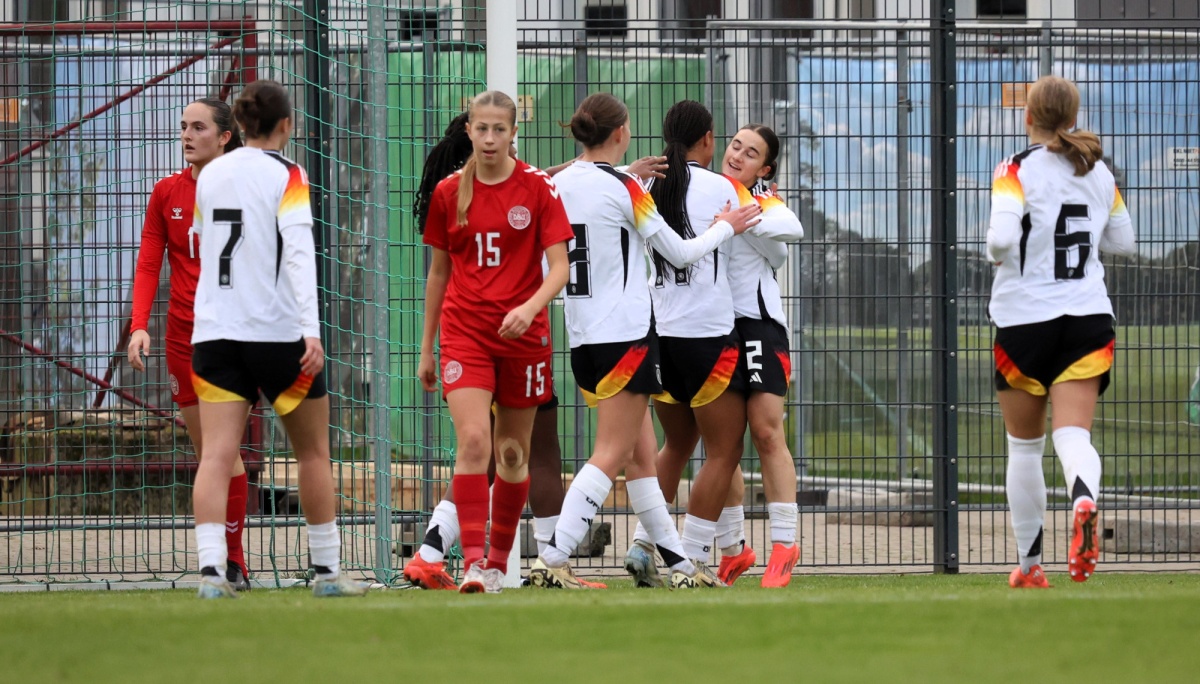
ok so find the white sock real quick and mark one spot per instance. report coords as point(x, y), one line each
point(441, 534)
point(1081, 463)
point(543, 529)
point(698, 537)
point(1026, 488)
point(640, 534)
point(586, 495)
point(783, 518)
point(210, 546)
point(731, 530)
point(324, 548)
point(648, 504)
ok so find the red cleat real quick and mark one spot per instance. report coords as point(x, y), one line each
point(1085, 547)
point(732, 567)
point(428, 575)
point(1034, 579)
point(779, 567)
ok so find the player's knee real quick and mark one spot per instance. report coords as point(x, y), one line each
point(767, 434)
point(474, 445)
point(509, 453)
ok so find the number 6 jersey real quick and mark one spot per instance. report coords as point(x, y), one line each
point(1048, 227)
point(258, 271)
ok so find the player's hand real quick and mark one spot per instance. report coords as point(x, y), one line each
point(740, 218)
point(314, 356)
point(427, 372)
point(516, 322)
point(139, 346)
point(649, 167)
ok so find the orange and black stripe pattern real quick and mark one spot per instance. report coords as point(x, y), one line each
point(206, 391)
point(1006, 184)
point(643, 203)
point(295, 195)
point(618, 378)
point(719, 378)
point(1094, 364)
point(1013, 375)
point(290, 398)
point(785, 362)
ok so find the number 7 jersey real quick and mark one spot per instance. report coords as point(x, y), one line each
point(257, 258)
point(1051, 226)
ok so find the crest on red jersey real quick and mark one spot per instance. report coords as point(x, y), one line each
point(519, 217)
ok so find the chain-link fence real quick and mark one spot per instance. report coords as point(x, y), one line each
point(890, 129)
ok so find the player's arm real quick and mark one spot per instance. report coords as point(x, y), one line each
point(517, 321)
point(642, 213)
point(779, 226)
point(1008, 207)
point(294, 217)
point(435, 295)
point(145, 279)
point(1118, 237)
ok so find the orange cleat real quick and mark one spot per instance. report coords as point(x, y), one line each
point(1034, 579)
point(592, 585)
point(428, 575)
point(732, 567)
point(1085, 548)
point(779, 567)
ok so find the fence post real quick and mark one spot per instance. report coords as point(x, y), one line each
point(944, 231)
point(316, 137)
point(378, 326)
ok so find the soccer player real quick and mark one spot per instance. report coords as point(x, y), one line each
point(426, 568)
point(614, 351)
point(489, 226)
point(206, 130)
point(701, 376)
point(1055, 208)
point(751, 159)
point(257, 328)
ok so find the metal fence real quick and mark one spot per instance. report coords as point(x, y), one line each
point(890, 132)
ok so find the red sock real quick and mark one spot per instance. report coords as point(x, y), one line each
point(508, 500)
point(471, 499)
point(235, 520)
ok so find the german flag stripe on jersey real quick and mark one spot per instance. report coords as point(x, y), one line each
point(622, 372)
point(1090, 366)
point(1013, 375)
point(1006, 186)
point(643, 203)
point(744, 196)
point(295, 195)
point(1118, 206)
point(206, 391)
point(768, 201)
point(290, 398)
point(718, 379)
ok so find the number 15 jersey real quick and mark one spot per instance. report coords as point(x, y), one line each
point(258, 269)
point(1048, 227)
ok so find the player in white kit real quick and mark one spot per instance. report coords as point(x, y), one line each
point(614, 351)
point(257, 329)
point(1055, 208)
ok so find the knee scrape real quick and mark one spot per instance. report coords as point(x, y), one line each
point(510, 454)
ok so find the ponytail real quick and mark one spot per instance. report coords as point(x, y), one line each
point(466, 189)
point(1081, 148)
point(686, 123)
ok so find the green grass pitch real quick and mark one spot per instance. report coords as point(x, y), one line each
point(921, 628)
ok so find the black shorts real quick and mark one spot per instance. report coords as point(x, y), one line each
point(603, 370)
point(766, 355)
point(695, 371)
point(1035, 356)
point(226, 370)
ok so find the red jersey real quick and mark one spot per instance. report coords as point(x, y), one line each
point(168, 227)
point(496, 259)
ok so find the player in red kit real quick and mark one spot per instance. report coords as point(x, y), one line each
point(489, 227)
point(207, 130)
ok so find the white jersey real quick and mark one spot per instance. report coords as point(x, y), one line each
point(257, 260)
point(606, 299)
point(755, 254)
point(1048, 227)
point(697, 302)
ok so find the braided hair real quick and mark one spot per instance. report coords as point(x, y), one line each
point(686, 123)
point(446, 157)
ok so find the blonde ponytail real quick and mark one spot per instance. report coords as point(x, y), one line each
point(1081, 148)
point(466, 189)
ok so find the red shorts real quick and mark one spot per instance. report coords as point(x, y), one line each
point(515, 382)
point(179, 364)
